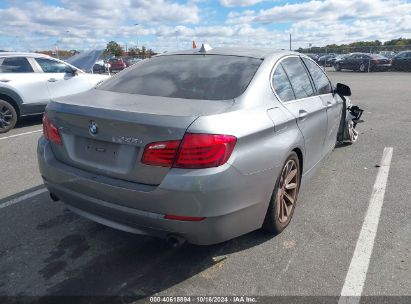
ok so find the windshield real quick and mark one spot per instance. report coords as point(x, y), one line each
point(211, 77)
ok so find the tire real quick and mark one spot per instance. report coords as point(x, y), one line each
point(8, 116)
point(337, 67)
point(276, 220)
point(351, 134)
point(362, 68)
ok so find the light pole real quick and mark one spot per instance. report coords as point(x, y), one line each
point(136, 24)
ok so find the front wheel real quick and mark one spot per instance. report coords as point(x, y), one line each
point(284, 197)
point(362, 67)
point(337, 67)
point(8, 116)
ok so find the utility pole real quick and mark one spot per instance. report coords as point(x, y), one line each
point(136, 25)
point(290, 41)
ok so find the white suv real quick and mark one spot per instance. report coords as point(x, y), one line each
point(28, 81)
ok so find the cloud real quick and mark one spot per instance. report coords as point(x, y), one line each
point(325, 10)
point(167, 25)
point(231, 3)
point(334, 21)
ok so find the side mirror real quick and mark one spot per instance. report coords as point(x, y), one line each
point(70, 70)
point(343, 90)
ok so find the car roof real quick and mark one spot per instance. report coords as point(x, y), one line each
point(22, 54)
point(259, 53)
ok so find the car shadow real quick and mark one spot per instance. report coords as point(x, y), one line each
point(145, 266)
point(98, 264)
point(29, 121)
point(342, 145)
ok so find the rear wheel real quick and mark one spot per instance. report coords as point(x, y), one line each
point(8, 116)
point(284, 197)
point(362, 67)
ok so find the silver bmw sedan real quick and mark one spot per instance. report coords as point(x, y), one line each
point(198, 146)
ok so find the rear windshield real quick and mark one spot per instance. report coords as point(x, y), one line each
point(212, 77)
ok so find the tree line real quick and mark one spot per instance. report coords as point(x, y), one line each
point(113, 48)
point(361, 46)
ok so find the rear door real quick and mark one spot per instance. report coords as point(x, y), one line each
point(333, 103)
point(59, 82)
point(351, 62)
point(302, 102)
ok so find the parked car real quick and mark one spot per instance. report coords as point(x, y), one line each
point(402, 61)
point(131, 61)
point(100, 67)
point(313, 56)
point(387, 54)
point(117, 64)
point(202, 146)
point(362, 62)
point(337, 57)
point(28, 81)
point(326, 60)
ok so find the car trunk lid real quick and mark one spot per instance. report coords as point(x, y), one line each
point(106, 132)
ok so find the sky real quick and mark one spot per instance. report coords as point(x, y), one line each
point(167, 25)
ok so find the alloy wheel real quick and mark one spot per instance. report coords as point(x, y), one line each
point(6, 117)
point(287, 190)
point(362, 67)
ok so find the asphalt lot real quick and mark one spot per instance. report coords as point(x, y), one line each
point(47, 250)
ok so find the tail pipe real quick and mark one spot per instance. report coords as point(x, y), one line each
point(175, 241)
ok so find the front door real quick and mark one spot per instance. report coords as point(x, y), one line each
point(331, 101)
point(308, 109)
point(59, 81)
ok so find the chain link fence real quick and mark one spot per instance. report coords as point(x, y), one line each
point(383, 49)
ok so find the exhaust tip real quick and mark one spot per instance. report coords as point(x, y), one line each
point(175, 241)
point(54, 197)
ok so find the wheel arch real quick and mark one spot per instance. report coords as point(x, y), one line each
point(12, 102)
point(13, 98)
point(300, 159)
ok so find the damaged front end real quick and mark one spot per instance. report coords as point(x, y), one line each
point(347, 132)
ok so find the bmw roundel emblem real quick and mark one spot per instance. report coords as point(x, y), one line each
point(93, 127)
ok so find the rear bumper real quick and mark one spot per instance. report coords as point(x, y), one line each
point(232, 203)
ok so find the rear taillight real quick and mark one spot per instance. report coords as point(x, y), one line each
point(375, 61)
point(195, 151)
point(204, 150)
point(162, 153)
point(50, 131)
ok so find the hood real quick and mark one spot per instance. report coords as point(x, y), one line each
point(85, 60)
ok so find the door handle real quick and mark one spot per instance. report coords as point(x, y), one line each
point(52, 80)
point(302, 114)
point(4, 80)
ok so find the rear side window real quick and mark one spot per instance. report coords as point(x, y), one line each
point(321, 81)
point(298, 76)
point(282, 85)
point(51, 66)
point(208, 77)
point(16, 65)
